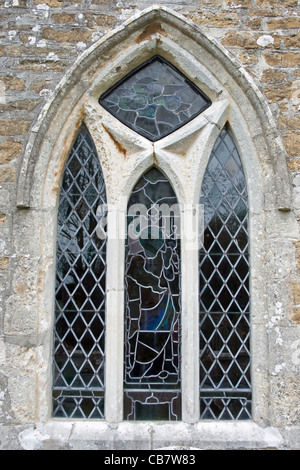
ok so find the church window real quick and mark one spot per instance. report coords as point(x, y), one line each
point(152, 385)
point(225, 390)
point(79, 342)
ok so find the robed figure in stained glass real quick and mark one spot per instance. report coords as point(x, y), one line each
point(152, 318)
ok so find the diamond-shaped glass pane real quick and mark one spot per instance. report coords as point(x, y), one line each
point(225, 389)
point(155, 99)
point(78, 389)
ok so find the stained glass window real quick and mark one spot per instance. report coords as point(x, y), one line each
point(155, 99)
point(152, 383)
point(225, 389)
point(78, 370)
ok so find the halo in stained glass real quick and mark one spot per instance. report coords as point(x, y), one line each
point(155, 99)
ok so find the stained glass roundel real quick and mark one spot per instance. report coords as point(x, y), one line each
point(155, 99)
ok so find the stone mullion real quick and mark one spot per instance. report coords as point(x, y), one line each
point(114, 349)
point(190, 315)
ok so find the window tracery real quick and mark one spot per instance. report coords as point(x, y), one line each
point(155, 99)
point(152, 356)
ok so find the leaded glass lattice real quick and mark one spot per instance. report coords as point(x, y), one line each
point(225, 389)
point(155, 99)
point(78, 389)
point(152, 383)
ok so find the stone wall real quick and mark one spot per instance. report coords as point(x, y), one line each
point(39, 42)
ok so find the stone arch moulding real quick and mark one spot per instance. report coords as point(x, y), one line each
point(156, 30)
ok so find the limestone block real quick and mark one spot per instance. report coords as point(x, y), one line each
point(21, 307)
point(22, 390)
point(284, 395)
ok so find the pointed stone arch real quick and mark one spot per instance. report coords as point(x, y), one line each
point(154, 30)
point(237, 100)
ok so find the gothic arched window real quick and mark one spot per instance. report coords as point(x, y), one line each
point(78, 389)
point(152, 378)
point(225, 390)
point(154, 100)
point(154, 94)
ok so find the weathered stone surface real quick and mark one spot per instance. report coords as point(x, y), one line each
point(289, 123)
point(13, 83)
point(51, 3)
point(99, 19)
point(73, 35)
point(248, 40)
point(7, 174)
point(221, 20)
point(40, 43)
point(292, 41)
point(103, 2)
point(4, 263)
point(283, 59)
point(271, 75)
point(275, 3)
point(294, 164)
point(278, 93)
point(3, 218)
point(13, 128)
point(9, 150)
point(100, 436)
point(292, 142)
point(284, 23)
point(295, 317)
point(19, 105)
point(239, 4)
point(63, 18)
